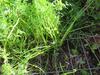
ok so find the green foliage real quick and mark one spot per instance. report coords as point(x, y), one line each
point(6, 69)
point(68, 73)
point(29, 29)
point(83, 72)
point(26, 30)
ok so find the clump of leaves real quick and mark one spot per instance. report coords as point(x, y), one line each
point(6, 69)
point(39, 19)
point(26, 30)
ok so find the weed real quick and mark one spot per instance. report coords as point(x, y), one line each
point(29, 28)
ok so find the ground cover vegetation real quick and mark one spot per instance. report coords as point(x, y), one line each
point(35, 36)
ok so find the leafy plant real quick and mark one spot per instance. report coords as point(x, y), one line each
point(22, 20)
point(29, 28)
